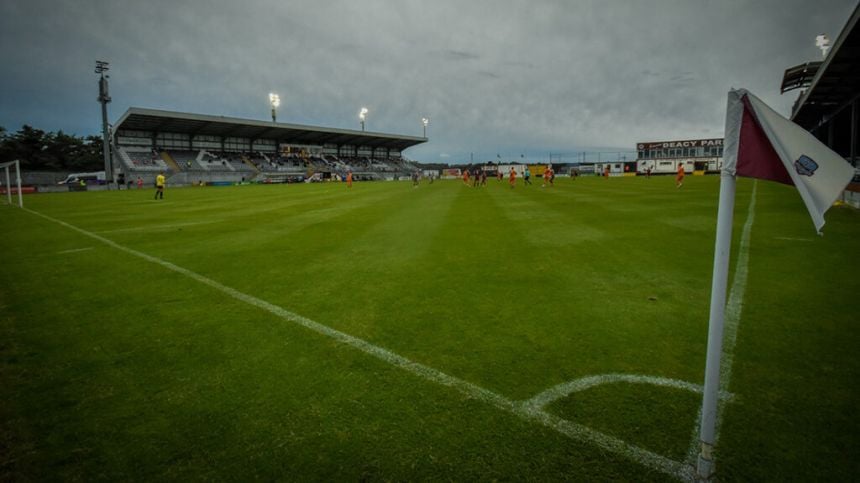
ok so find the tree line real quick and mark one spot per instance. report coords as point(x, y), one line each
point(39, 150)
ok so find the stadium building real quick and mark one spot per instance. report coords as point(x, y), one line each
point(829, 102)
point(195, 148)
point(696, 155)
point(618, 167)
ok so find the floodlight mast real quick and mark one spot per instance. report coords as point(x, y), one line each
point(362, 114)
point(425, 121)
point(823, 43)
point(104, 99)
point(275, 101)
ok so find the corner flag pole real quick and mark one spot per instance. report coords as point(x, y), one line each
point(775, 149)
point(719, 284)
point(710, 398)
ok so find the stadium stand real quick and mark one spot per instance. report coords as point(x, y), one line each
point(197, 148)
point(828, 105)
point(140, 159)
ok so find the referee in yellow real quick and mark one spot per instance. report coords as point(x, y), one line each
point(159, 186)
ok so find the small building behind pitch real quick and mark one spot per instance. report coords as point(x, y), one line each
point(698, 156)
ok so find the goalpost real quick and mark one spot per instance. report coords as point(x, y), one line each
point(8, 179)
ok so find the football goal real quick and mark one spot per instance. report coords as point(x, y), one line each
point(7, 181)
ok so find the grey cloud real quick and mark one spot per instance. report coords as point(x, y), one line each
point(684, 78)
point(491, 75)
point(519, 63)
point(459, 55)
point(494, 75)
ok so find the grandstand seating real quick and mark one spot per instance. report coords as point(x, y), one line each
point(238, 165)
point(141, 160)
point(195, 161)
point(188, 160)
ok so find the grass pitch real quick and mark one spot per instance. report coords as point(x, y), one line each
point(117, 367)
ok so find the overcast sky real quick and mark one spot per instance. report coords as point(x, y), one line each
point(498, 76)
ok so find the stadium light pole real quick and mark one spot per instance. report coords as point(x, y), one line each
point(823, 43)
point(362, 115)
point(425, 121)
point(104, 99)
point(275, 101)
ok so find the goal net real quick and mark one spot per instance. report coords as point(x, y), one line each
point(7, 187)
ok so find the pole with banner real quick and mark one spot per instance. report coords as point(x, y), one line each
point(761, 144)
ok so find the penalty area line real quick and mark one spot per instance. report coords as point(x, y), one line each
point(522, 409)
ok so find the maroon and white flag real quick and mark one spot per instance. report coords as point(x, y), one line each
point(762, 144)
point(759, 144)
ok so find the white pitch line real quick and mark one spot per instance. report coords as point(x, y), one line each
point(565, 389)
point(74, 250)
point(793, 239)
point(579, 432)
point(731, 321)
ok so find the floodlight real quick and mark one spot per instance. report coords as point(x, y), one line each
point(275, 100)
point(102, 66)
point(362, 114)
point(823, 43)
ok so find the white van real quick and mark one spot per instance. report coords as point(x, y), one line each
point(96, 177)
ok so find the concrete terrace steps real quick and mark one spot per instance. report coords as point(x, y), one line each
point(249, 163)
point(171, 163)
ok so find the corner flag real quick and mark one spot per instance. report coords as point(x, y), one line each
point(759, 144)
point(762, 144)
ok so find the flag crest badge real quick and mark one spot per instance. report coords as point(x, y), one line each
point(805, 165)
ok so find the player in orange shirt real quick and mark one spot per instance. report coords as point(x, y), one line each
point(466, 177)
point(548, 176)
point(679, 180)
point(512, 177)
point(349, 179)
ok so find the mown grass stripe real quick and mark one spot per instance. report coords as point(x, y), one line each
point(568, 428)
